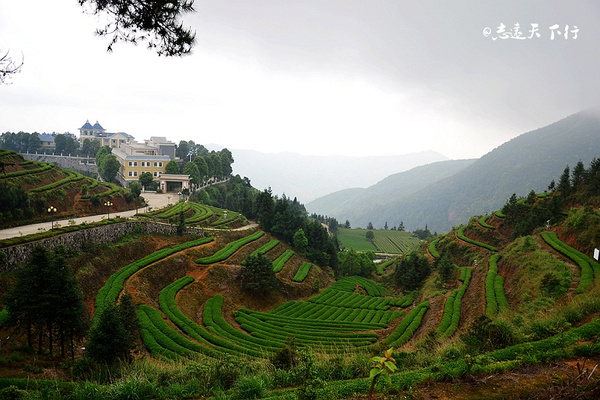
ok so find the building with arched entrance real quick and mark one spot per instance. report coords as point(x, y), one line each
point(174, 182)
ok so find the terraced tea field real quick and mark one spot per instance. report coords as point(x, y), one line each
point(347, 315)
point(385, 241)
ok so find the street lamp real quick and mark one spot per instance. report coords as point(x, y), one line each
point(138, 204)
point(108, 204)
point(51, 211)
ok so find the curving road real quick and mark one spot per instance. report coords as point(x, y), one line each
point(154, 200)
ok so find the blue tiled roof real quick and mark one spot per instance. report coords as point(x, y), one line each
point(97, 126)
point(46, 138)
point(87, 125)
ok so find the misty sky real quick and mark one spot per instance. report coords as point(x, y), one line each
point(363, 77)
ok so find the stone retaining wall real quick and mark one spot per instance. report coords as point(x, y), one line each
point(83, 164)
point(80, 240)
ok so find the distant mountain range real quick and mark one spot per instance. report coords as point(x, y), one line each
point(448, 193)
point(308, 177)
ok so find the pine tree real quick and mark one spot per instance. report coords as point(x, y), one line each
point(46, 296)
point(564, 183)
point(181, 224)
point(411, 272)
point(126, 311)
point(300, 241)
point(257, 274)
point(72, 318)
point(108, 339)
point(578, 177)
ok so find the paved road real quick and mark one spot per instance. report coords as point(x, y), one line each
point(154, 200)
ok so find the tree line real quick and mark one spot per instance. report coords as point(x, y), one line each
point(579, 185)
point(44, 299)
point(65, 143)
point(283, 217)
point(202, 167)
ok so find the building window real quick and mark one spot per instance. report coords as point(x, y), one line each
point(156, 173)
point(133, 173)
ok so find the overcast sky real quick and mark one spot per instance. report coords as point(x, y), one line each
point(363, 77)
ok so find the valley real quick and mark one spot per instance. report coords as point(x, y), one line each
point(249, 302)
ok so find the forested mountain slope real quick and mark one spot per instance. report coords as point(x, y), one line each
point(527, 162)
point(354, 204)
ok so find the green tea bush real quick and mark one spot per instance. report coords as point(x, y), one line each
point(348, 284)
point(214, 322)
point(432, 248)
point(307, 332)
point(302, 272)
point(71, 177)
point(483, 222)
point(164, 336)
point(382, 267)
point(494, 289)
point(407, 327)
point(587, 268)
point(500, 295)
point(42, 168)
point(111, 289)
point(447, 316)
point(266, 248)
point(174, 210)
point(461, 235)
point(406, 301)
point(201, 213)
point(281, 260)
point(466, 271)
point(229, 249)
point(217, 346)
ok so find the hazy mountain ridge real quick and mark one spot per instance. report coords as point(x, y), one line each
point(357, 204)
point(529, 161)
point(309, 177)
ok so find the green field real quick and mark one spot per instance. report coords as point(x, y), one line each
point(386, 241)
